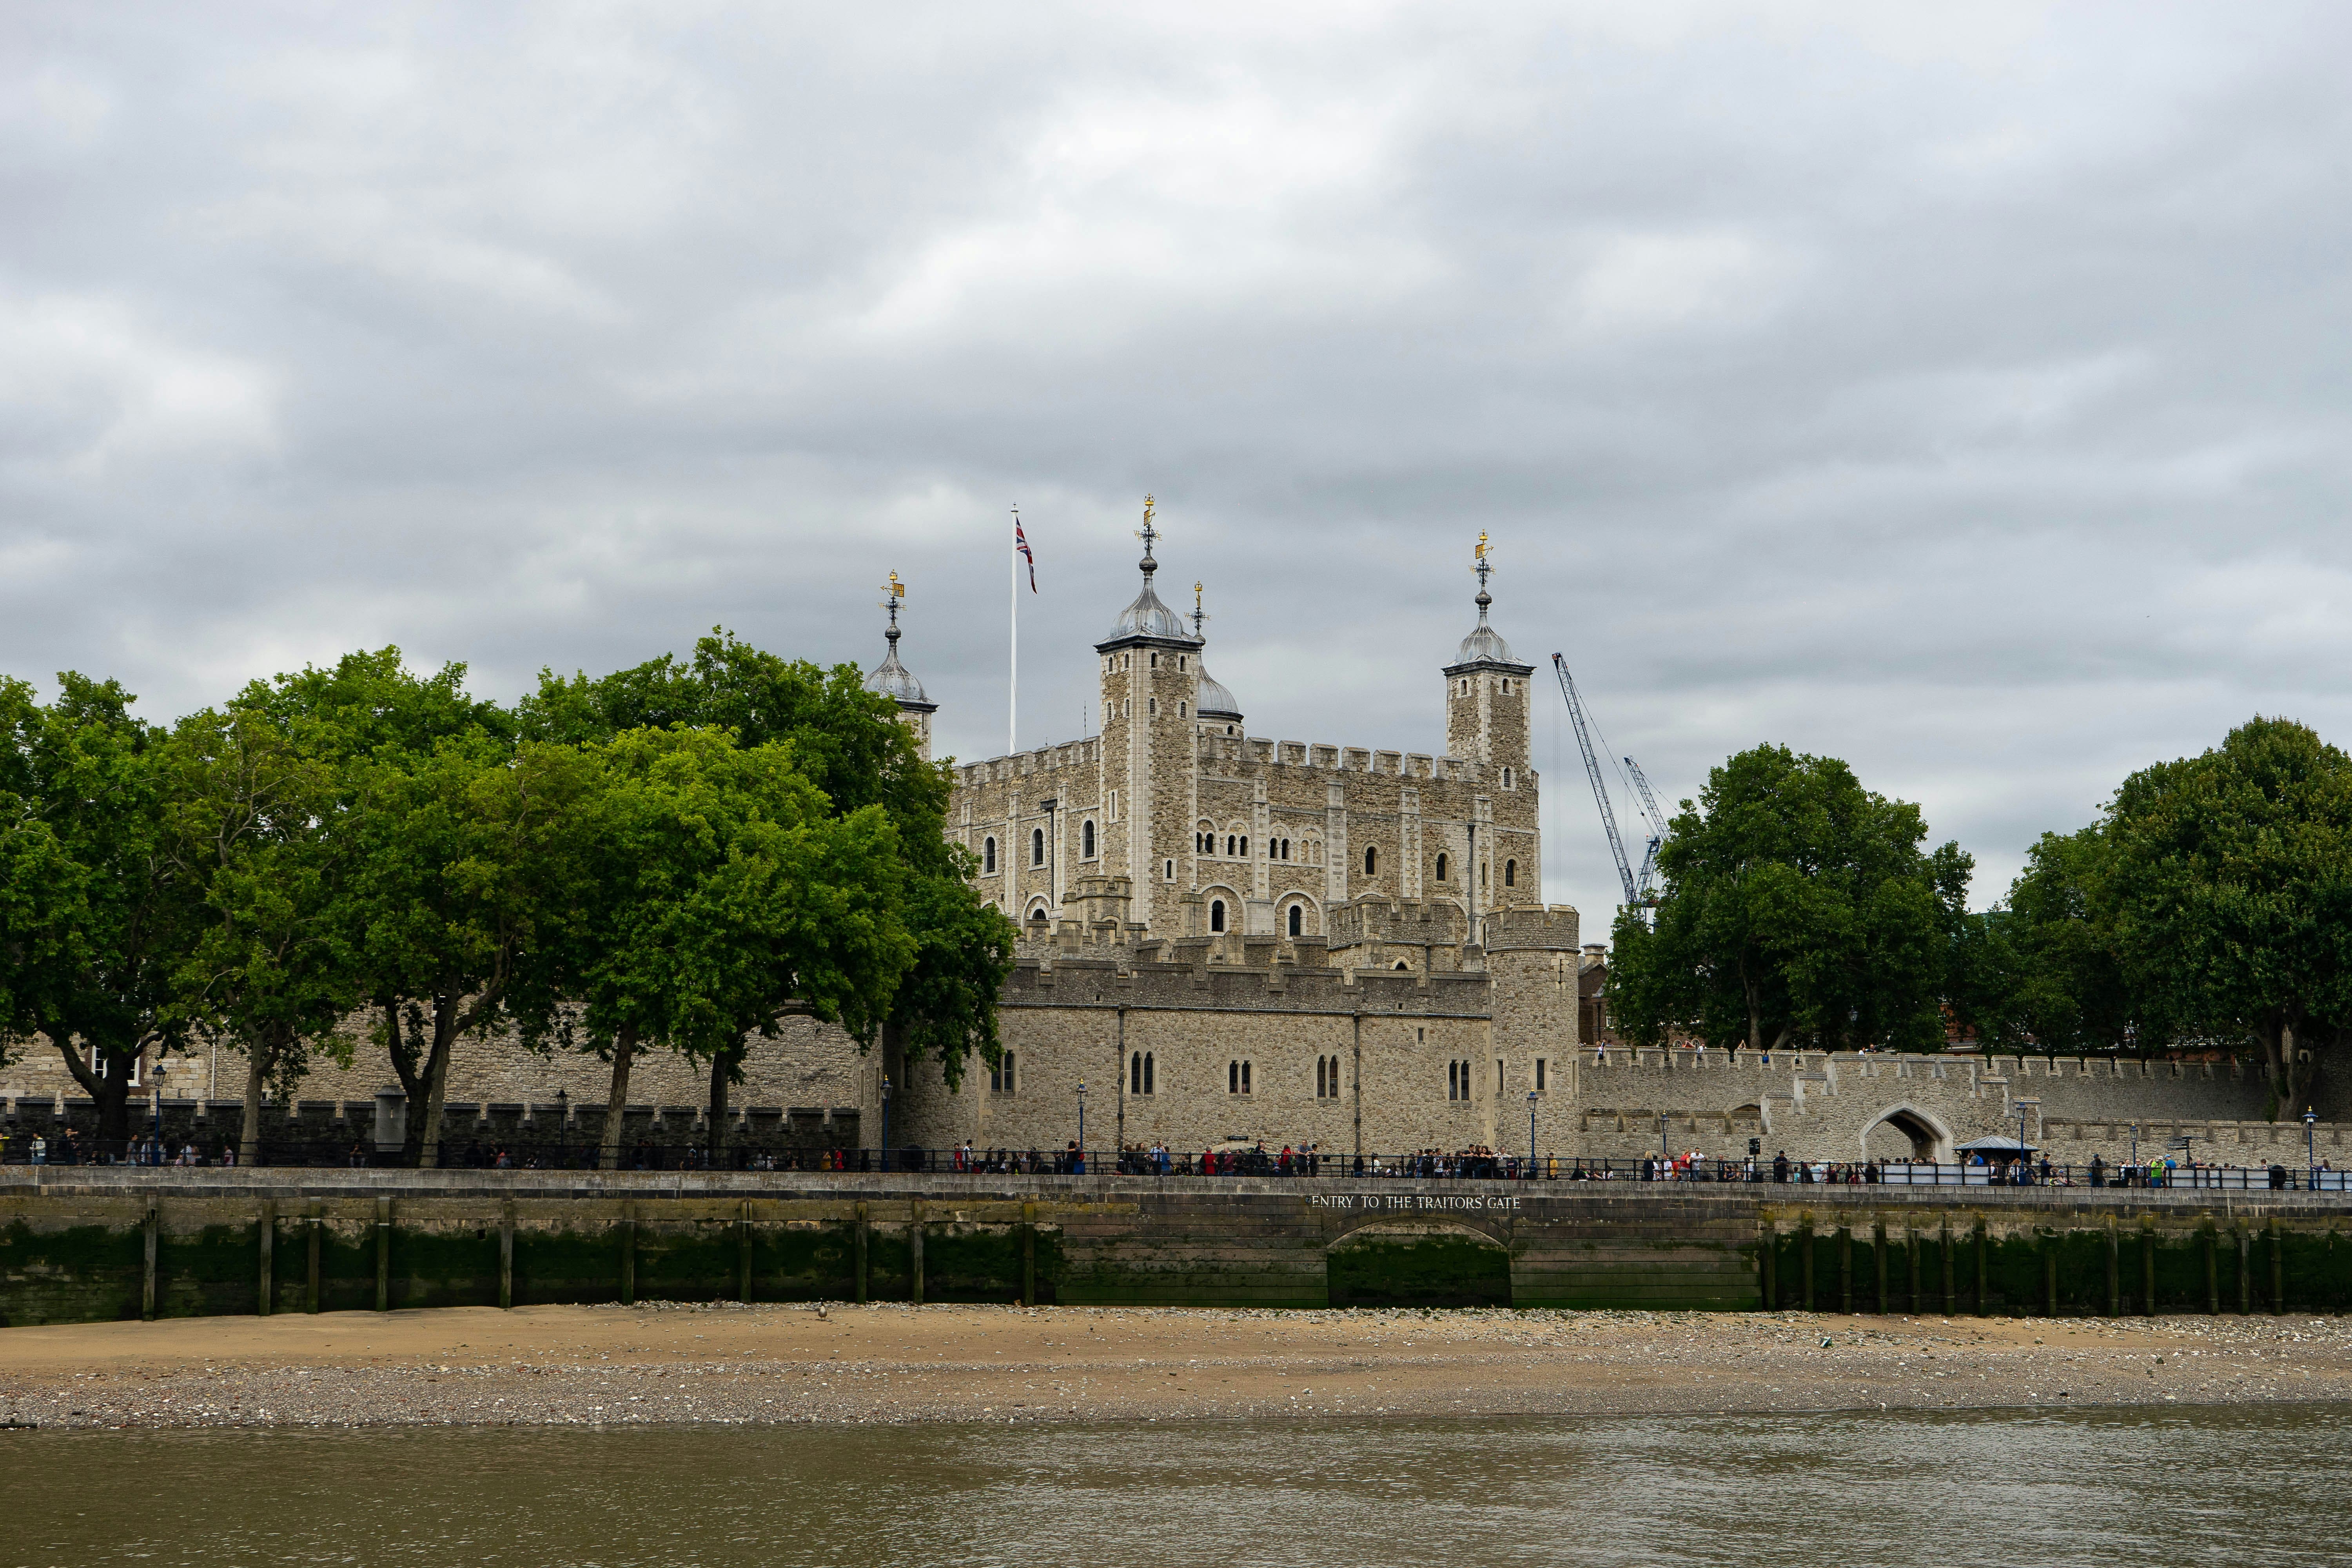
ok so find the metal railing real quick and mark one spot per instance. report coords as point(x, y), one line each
point(1308, 1163)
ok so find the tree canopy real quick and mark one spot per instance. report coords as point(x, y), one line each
point(679, 855)
point(849, 743)
point(2230, 883)
point(1796, 906)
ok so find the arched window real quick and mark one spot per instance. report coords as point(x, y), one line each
point(1086, 838)
point(1232, 1078)
point(1146, 1073)
point(1036, 847)
point(1297, 918)
point(1216, 921)
point(1245, 844)
point(1371, 864)
point(1453, 1080)
point(1246, 1078)
point(1135, 1073)
point(1400, 963)
point(1322, 1067)
point(1440, 868)
point(1230, 841)
point(988, 856)
point(1506, 778)
point(1510, 873)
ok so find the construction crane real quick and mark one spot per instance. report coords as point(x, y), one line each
point(1646, 880)
point(1592, 771)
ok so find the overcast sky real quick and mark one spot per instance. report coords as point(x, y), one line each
point(1960, 391)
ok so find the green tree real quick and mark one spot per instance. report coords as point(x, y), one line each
point(453, 841)
point(849, 742)
point(92, 912)
point(2042, 972)
point(1795, 905)
point(463, 864)
point(720, 894)
point(251, 814)
point(2231, 882)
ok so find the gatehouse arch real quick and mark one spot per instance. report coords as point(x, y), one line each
point(1907, 1133)
point(1418, 1263)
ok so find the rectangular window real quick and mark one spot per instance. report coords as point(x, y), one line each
point(1540, 1074)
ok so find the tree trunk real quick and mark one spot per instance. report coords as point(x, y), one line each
point(616, 1105)
point(249, 1138)
point(109, 1091)
point(401, 1048)
point(722, 1073)
point(436, 1077)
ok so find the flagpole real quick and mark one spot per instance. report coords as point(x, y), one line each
point(1013, 678)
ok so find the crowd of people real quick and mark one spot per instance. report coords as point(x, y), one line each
point(65, 1146)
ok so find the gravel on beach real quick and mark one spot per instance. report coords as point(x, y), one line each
point(834, 1363)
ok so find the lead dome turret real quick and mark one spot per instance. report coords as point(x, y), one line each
point(893, 680)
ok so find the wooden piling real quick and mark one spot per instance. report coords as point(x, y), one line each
point(506, 1255)
point(915, 1245)
point(384, 1255)
point(266, 1230)
point(150, 1228)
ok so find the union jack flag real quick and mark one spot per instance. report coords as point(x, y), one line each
point(1021, 542)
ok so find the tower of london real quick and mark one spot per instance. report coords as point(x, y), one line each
point(1176, 823)
point(1207, 918)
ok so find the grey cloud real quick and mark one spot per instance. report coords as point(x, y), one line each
point(1959, 393)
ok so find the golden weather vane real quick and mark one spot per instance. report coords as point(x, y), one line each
point(1484, 559)
point(1148, 532)
point(1199, 614)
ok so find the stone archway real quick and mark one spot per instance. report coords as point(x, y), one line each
point(1907, 1133)
point(1418, 1264)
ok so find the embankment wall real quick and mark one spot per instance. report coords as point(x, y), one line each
point(95, 1244)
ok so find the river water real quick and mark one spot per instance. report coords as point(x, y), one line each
point(2244, 1487)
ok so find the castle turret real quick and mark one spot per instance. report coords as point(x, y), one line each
point(1487, 706)
point(893, 680)
point(1213, 706)
point(1151, 668)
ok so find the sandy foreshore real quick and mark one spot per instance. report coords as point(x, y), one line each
point(847, 1364)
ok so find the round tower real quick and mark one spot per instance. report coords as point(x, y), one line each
point(894, 680)
point(1213, 705)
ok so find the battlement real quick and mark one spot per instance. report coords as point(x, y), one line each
point(1324, 756)
point(1044, 759)
point(1194, 982)
point(1410, 922)
point(1553, 927)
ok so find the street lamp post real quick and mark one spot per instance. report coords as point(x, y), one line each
point(886, 1121)
point(2310, 1149)
point(1531, 1133)
point(1082, 1123)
